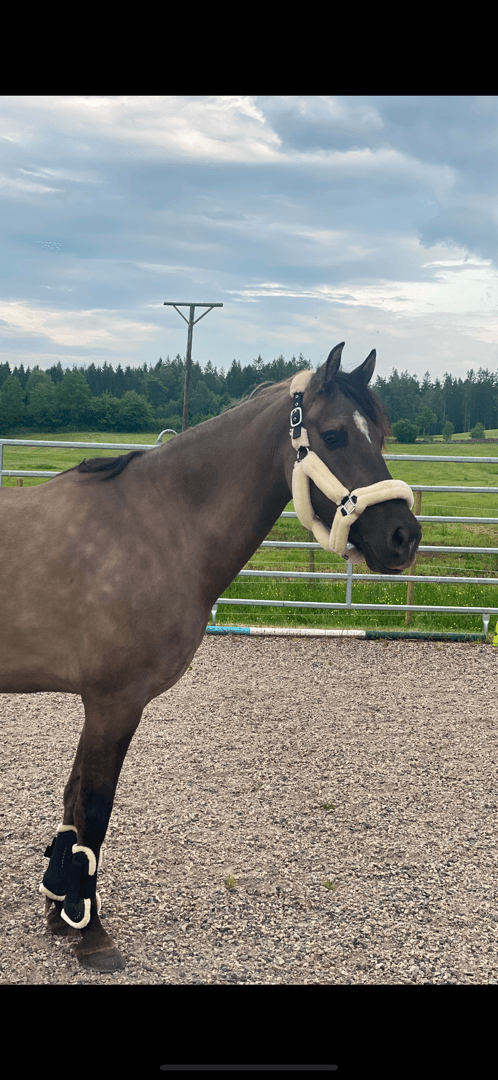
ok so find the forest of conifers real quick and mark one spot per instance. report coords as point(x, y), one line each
point(146, 398)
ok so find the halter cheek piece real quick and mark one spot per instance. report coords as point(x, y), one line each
point(350, 504)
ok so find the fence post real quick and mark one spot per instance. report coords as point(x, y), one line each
point(311, 559)
point(349, 583)
point(413, 569)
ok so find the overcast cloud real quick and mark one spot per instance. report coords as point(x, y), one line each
point(314, 220)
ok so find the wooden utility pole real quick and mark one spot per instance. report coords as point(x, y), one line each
point(190, 323)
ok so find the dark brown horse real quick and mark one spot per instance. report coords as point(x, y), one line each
point(107, 587)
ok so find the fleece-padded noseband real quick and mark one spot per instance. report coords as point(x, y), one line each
point(350, 504)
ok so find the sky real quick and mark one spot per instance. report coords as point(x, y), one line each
point(313, 220)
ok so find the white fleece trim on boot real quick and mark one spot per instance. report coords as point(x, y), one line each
point(51, 895)
point(84, 921)
point(92, 862)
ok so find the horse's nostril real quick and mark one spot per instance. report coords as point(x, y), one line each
point(404, 539)
point(399, 538)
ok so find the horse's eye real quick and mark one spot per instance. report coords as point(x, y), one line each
point(333, 439)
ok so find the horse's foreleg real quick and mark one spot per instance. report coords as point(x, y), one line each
point(60, 851)
point(88, 800)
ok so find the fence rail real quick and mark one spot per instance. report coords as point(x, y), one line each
point(485, 611)
point(310, 545)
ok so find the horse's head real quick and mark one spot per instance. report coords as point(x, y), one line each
point(346, 427)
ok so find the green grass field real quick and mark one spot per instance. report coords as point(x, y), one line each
point(448, 564)
point(490, 433)
point(34, 457)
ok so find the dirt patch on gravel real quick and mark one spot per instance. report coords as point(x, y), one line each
point(285, 764)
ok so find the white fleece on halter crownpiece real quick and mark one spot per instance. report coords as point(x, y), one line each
point(355, 502)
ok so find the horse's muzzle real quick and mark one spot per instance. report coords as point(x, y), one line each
point(394, 535)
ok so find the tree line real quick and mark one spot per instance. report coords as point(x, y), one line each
point(146, 398)
point(142, 398)
point(449, 402)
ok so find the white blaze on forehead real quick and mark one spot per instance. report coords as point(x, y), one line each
point(361, 424)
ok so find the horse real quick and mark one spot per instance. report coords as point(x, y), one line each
point(109, 572)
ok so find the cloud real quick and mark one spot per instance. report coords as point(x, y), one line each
point(472, 289)
point(63, 174)
point(306, 216)
point(470, 228)
point(16, 186)
point(85, 329)
point(209, 128)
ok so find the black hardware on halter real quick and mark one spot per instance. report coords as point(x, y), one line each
point(348, 505)
point(296, 419)
point(296, 416)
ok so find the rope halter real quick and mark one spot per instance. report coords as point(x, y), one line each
point(350, 504)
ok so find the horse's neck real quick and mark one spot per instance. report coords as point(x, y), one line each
point(233, 469)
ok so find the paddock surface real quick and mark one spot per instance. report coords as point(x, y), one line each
point(371, 766)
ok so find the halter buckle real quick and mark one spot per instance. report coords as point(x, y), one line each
point(296, 417)
point(348, 505)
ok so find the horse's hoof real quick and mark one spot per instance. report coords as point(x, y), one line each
point(104, 960)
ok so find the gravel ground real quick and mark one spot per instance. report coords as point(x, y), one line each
point(349, 788)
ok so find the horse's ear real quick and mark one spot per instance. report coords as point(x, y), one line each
point(332, 365)
point(364, 372)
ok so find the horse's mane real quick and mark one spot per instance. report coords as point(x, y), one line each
point(108, 466)
point(343, 381)
point(368, 401)
point(255, 389)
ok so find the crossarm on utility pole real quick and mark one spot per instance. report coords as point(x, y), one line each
point(190, 323)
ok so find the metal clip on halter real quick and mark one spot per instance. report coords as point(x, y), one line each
point(348, 505)
point(296, 416)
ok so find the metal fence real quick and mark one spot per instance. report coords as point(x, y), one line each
point(46, 473)
point(348, 577)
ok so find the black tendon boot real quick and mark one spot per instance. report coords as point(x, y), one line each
point(81, 888)
point(60, 853)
